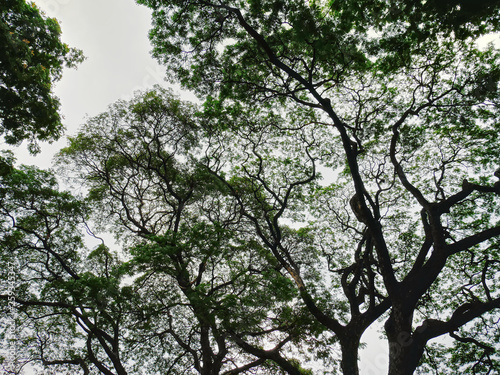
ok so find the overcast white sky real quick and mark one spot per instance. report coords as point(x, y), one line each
point(113, 35)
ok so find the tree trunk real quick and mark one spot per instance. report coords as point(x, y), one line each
point(404, 351)
point(350, 348)
point(403, 360)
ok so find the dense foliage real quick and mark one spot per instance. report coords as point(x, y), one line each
point(343, 170)
point(407, 109)
point(32, 57)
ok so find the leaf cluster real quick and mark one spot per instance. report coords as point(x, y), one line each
point(32, 57)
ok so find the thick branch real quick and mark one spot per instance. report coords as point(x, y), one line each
point(272, 355)
point(467, 189)
point(77, 361)
point(246, 367)
point(473, 240)
point(464, 314)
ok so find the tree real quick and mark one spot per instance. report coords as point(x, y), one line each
point(68, 301)
point(409, 108)
point(342, 171)
point(194, 294)
point(32, 57)
point(139, 160)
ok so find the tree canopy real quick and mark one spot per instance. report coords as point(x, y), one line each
point(342, 171)
point(409, 110)
point(32, 57)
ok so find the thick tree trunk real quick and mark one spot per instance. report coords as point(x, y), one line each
point(350, 348)
point(403, 360)
point(404, 351)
